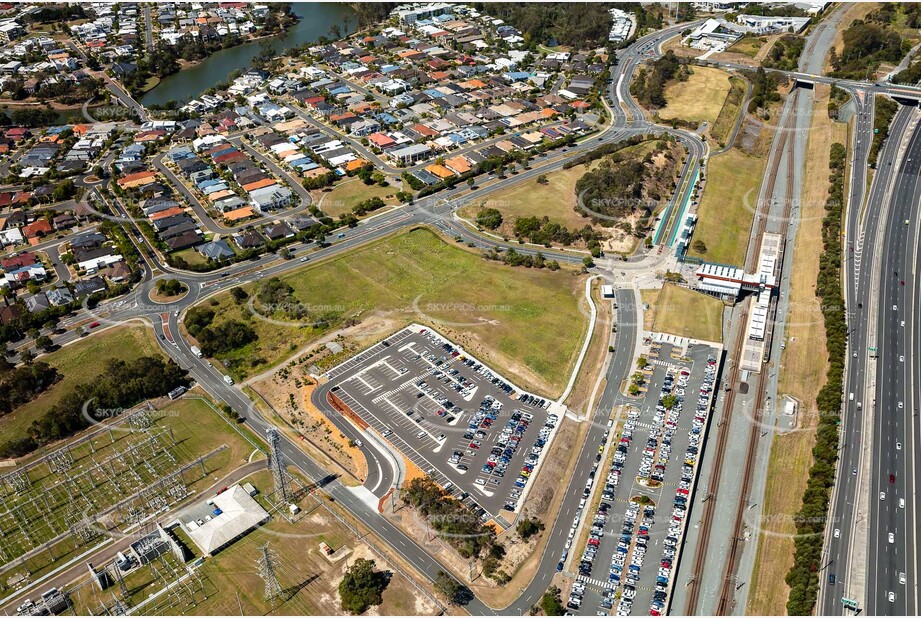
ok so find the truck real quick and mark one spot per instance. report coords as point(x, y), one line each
point(228, 380)
point(873, 353)
point(196, 351)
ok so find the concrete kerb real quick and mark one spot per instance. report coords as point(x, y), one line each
point(396, 460)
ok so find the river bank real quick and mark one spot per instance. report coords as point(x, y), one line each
point(315, 19)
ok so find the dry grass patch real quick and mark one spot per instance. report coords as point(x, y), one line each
point(699, 99)
point(855, 11)
point(802, 374)
point(727, 207)
point(414, 276)
point(729, 114)
point(687, 313)
point(749, 45)
point(79, 363)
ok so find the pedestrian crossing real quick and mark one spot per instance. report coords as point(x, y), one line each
point(588, 581)
point(602, 585)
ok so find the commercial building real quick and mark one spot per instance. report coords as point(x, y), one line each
point(221, 520)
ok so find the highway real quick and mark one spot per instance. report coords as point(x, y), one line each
point(845, 551)
point(895, 432)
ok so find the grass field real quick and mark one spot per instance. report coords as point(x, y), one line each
point(699, 99)
point(802, 374)
point(749, 45)
point(78, 363)
point(727, 207)
point(555, 200)
point(349, 193)
point(686, 313)
point(415, 276)
point(729, 113)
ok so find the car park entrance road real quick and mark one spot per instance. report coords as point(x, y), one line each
point(473, 432)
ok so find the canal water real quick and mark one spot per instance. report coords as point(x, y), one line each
point(316, 18)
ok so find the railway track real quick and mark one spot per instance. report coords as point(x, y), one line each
point(710, 500)
point(725, 603)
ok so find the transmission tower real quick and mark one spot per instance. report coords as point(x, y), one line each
point(277, 465)
point(266, 564)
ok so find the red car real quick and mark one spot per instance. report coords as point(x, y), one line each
point(94, 324)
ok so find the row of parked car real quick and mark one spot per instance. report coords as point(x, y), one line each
point(683, 493)
point(531, 461)
point(599, 519)
point(505, 448)
point(534, 400)
point(630, 579)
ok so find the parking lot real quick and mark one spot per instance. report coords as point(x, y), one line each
point(476, 434)
point(636, 531)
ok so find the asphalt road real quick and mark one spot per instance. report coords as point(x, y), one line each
point(862, 242)
point(896, 433)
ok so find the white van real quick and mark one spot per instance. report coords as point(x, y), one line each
point(851, 397)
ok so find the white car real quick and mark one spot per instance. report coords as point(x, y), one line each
point(882, 496)
point(892, 597)
point(898, 446)
point(837, 533)
point(891, 537)
point(901, 578)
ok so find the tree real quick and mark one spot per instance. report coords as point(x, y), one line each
point(588, 261)
point(170, 287)
point(239, 294)
point(64, 191)
point(362, 587)
point(542, 179)
point(45, 343)
point(528, 527)
point(551, 602)
point(490, 218)
point(449, 586)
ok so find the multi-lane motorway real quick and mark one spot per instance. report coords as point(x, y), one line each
point(872, 234)
point(166, 325)
point(895, 467)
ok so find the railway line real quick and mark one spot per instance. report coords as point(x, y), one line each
point(785, 150)
point(710, 500)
